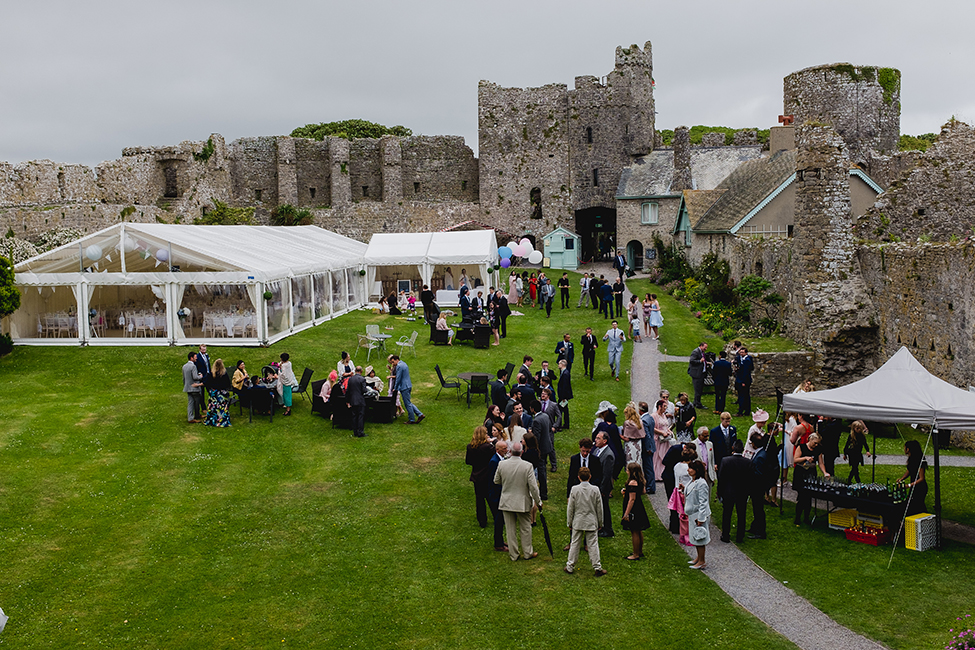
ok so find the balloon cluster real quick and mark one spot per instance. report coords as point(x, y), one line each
point(523, 249)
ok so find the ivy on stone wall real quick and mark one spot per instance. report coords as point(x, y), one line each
point(349, 130)
point(206, 152)
point(224, 215)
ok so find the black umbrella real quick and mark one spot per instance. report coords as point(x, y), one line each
point(548, 538)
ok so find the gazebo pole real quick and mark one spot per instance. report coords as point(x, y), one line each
point(873, 467)
point(937, 489)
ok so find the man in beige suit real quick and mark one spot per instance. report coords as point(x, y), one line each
point(584, 515)
point(519, 491)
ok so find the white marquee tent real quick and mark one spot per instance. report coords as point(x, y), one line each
point(164, 284)
point(426, 254)
point(901, 390)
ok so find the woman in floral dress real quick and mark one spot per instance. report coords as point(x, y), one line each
point(219, 386)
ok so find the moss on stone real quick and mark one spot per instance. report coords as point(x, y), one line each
point(890, 80)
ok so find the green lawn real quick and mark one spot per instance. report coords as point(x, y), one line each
point(122, 526)
point(682, 332)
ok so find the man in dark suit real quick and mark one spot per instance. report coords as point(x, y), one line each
point(523, 387)
point(649, 447)
point(721, 371)
point(583, 459)
point(618, 289)
point(565, 393)
point(734, 483)
point(606, 299)
point(589, 345)
point(494, 495)
point(619, 263)
point(526, 369)
point(542, 430)
point(697, 368)
point(551, 408)
point(606, 460)
point(594, 284)
point(565, 350)
point(743, 381)
point(545, 372)
point(723, 438)
point(203, 366)
point(499, 392)
point(762, 476)
point(355, 397)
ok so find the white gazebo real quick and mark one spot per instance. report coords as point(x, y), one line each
point(161, 284)
point(423, 257)
point(901, 390)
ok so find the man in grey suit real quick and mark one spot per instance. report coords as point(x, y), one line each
point(191, 386)
point(583, 516)
point(615, 338)
point(519, 491)
point(607, 459)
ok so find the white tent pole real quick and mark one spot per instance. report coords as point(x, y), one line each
point(937, 489)
point(121, 248)
point(84, 322)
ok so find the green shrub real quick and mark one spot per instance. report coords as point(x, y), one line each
point(349, 130)
point(289, 215)
point(224, 215)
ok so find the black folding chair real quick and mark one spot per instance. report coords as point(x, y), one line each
point(508, 369)
point(447, 384)
point(476, 386)
point(303, 384)
point(261, 400)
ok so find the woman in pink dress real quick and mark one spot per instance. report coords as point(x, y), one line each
point(662, 436)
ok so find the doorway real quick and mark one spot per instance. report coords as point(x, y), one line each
point(596, 228)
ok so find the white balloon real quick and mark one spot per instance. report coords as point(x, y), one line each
point(128, 244)
point(511, 244)
point(162, 254)
point(93, 252)
point(527, 245)
point(535, 257)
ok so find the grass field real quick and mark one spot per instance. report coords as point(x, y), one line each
point(124, 527)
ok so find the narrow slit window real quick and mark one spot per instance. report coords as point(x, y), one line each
point(595, 178)
point(311, 190)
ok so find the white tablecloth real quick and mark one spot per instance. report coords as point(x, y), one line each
point(448, 298)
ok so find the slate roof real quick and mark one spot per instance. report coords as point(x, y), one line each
point(698, 202)
point(747, 186)
point(652, 174)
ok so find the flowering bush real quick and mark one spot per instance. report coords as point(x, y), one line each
point(963, 639)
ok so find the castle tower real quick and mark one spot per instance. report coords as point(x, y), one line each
point(830, 307)
point(548, 155)
point(862, 103)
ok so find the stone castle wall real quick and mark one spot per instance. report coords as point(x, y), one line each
point(934, 198)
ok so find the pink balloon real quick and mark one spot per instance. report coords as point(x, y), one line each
point(505, 263)
point(525, 241)
point(519, 250)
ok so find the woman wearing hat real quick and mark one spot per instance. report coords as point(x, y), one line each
point(372, 380)
point(760, 419)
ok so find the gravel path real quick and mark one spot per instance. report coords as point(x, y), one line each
point(765, 597)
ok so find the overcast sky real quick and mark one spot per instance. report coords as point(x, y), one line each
point(81, 80)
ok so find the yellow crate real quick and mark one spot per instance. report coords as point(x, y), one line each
point(842, 519)
point(920, 532)
point(874, 521)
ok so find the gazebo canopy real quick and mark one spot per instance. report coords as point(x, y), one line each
point(899, 391)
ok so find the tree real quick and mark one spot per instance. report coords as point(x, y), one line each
point(289, 215)
point(224, 215)
point(9, 299)
point(758, 292)
point(349, 130)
